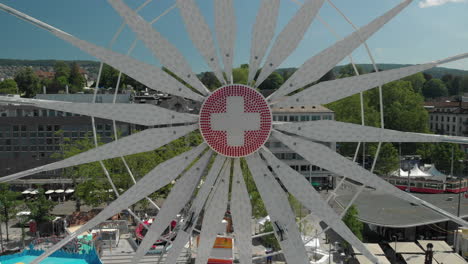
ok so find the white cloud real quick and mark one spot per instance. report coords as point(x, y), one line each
point(430, 3)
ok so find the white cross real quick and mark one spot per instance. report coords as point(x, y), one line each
point(235, 121)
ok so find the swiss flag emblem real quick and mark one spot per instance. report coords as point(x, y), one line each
point(235, 120)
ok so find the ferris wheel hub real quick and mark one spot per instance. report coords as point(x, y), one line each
point(235, 120)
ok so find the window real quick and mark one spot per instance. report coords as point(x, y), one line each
point(432, 117)
point(56, 127)
point(294, 118)
point(108, 127)
point(23, 128)
point(313, 118)
point(453, 128)
point(19, 112)
point(275, 118)
point(305, 118)
point(69, 114)
point(304, 168)
point(15, 128)
point(51, 112)
point(44, 112)
point(40, 128)
point(277, 144)
point(454, 119)
point(437, 118)
point(442, 118)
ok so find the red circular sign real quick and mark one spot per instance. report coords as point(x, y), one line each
point(235, 120)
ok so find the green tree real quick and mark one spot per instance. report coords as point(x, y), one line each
point(273, 82)
point(403, 108)
point(388, 159)
point(456, 87)
point(434, 88)
point(464, 84)
point(61, 69)
point(76, 79)
point(8, 205)
point(40, 208)
point(8, 86)
point(240, 75)
point(210, 80)
point(348, 70)
point(27, 81)
point(351, 220)
point(417, 82)
point(440, 154)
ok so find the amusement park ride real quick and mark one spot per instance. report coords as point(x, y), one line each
point(235, 121)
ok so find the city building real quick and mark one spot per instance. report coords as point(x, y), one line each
point(316, 175)
point(30, 135)
point(449, 117)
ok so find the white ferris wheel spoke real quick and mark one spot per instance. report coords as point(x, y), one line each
point(225, 26)
point(146, 140)
point(289, 38)
point(142, 114)
point(200, 34)
point(330, 91)
point(157, 178)
point(298, 186)
point(324, 157)
point(320, 64)
point(282, 217)
point(334, 131)
point(185, 231)
point(214, 213)
point(148, 75)
point(262, 34)
point(241, 211)
point(168, 54)
point(178, 197)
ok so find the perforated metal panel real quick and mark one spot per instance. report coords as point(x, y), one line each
point(142, 114)
point(241, 211)
point(157, 178)
point(186, 228)
point(334, 131)
point(289, 38)
point(330, 91)
point(214, 213)
point(324, 157)
point(225, 25)
point(319, 65)
point(200, 34)
point(299, 187)
point(179, 196)
point(146, 140)
point(148, 75)
point(167, 53)
point(282, 217)
point(262, 34)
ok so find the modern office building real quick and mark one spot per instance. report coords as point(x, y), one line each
point(30, 135)
point(316, 175)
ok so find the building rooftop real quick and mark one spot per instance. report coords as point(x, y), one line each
point(85, 98)
point(302, 109)
point(363, 260)
point(439, 245)
point(406, 247)
point(389, 211)
point(374, 248)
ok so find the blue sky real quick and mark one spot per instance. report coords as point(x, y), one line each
point(425, 31)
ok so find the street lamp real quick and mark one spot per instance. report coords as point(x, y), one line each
point(395, 239)
point(429, 254)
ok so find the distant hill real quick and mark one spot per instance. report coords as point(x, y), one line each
point(9, 67)
point(436, 72)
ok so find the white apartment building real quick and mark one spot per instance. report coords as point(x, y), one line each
point(448, 118)
point(316, 175)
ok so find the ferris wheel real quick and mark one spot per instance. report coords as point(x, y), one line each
point(235, 121)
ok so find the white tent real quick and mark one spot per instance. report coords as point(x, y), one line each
point(416, 172)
